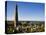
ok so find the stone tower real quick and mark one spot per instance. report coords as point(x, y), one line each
point(16, 16)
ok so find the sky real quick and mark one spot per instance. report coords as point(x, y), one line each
point(27, 11)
